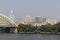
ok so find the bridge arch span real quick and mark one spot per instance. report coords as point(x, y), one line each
point(10, 21)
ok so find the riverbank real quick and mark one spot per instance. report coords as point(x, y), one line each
point(38, 33)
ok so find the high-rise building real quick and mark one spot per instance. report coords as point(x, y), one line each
point(44, 21)
point(38, 19)
point(48, 21)
point(33, 20)
point(18, 21)
point(28, 20)
point(51, 21)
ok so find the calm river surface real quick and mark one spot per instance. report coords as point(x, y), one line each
point(29, 37)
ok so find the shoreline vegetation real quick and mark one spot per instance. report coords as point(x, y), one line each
point(43, 29)
point(38, 33)
point(31, 29)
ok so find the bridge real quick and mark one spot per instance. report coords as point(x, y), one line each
point(9, 24)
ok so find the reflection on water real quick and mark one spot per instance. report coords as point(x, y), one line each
point(29, 37)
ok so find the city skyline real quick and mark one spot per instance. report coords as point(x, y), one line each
point(38, 20)
point(22, 8)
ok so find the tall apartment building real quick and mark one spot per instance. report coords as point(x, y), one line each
point(18, 21)
point(51, 21)
point(44, 21)
point(28, 20)
point(48, 21)
point(38, 21)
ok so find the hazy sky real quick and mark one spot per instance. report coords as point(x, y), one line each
point(22, 8)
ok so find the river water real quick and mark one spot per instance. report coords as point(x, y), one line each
point(6, 36)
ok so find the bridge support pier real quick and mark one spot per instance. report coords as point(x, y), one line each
point(13, 30)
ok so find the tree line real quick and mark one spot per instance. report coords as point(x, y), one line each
point(42, 28)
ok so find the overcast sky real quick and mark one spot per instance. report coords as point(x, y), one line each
point(22, 8)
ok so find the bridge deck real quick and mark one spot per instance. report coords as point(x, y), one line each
point(7, 26)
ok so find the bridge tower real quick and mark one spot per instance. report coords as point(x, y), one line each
point(12, 16)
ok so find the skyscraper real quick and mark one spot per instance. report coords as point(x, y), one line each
point(44, 21)
point(18, 21)
point(28, 20)
point(38, 19)
point(51, 21)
